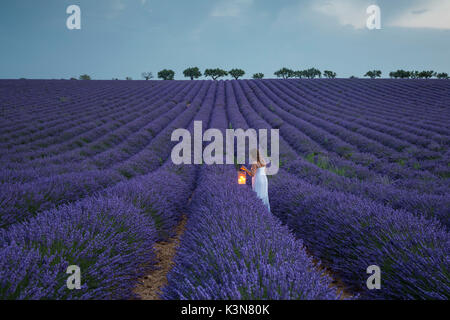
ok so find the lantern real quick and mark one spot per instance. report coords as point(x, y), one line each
point(242, 177)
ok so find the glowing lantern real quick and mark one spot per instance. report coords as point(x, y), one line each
point(242, 177)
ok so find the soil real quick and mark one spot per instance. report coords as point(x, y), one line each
point(335, 281)
point(149, 287)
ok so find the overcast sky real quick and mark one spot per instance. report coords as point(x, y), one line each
point(120, 38)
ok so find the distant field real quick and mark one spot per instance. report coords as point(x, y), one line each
point(86, 179)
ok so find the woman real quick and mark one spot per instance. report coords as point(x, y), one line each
point(259, 179)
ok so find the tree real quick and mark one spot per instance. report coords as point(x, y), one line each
point(393, 74)
point(284, 73)
point(414, 74)
point(311, 73)
point(329, 74)
point(299, 74)
point(442, 75)
point(147, 75)
point(426, 74)
point(258, 75)
point(193, 73)
point(215, 73)
point(315, 73)
point(166, 74)
point(128, 78)
point(236, 73)
point(373, 74)
point(400, 74)
point(85, 77)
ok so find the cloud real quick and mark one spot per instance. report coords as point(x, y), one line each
point(118, 5)
point(346, 12)
point(434, 14)
point(115, 9)
point(231, 8)
point(419, 11)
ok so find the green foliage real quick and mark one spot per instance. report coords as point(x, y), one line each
point(419, 74)
point(258, 75)
point(215, 73)
point(284, 73)
point(147, 75)
point(426, 74)
point(236, 73)
point(414, 74)
point(310, 73)
point(402, 74)
point(329, 74)
point(299, 74)
point(324, 163)
point(442, 75)
point(166, 74)
point(85, 77)
point(373, 74)
point(193, 73)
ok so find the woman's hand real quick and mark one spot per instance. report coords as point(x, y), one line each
point(246, 170)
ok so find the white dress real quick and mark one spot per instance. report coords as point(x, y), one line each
point(261, 186)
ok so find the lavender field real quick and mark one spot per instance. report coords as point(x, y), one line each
point(86, 179)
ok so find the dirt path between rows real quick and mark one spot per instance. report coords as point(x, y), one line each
point(149, 287)
point(335, 281)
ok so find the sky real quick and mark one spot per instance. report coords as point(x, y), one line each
point(123, 38)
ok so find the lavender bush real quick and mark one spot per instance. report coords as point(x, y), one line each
point(367, 182)
point(109, 239)
point(352, 233)
point(233, 248)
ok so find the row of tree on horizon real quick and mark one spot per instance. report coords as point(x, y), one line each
point(284, 73)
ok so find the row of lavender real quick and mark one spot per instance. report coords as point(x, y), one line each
point(153, 201)
point(331, 174)
point(109, 235)
point(21, 200)
point(339, 139)
point(233, 248)
point(236, 99)
point(350, 232)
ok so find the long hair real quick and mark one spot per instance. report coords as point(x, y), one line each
point(259, 159)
